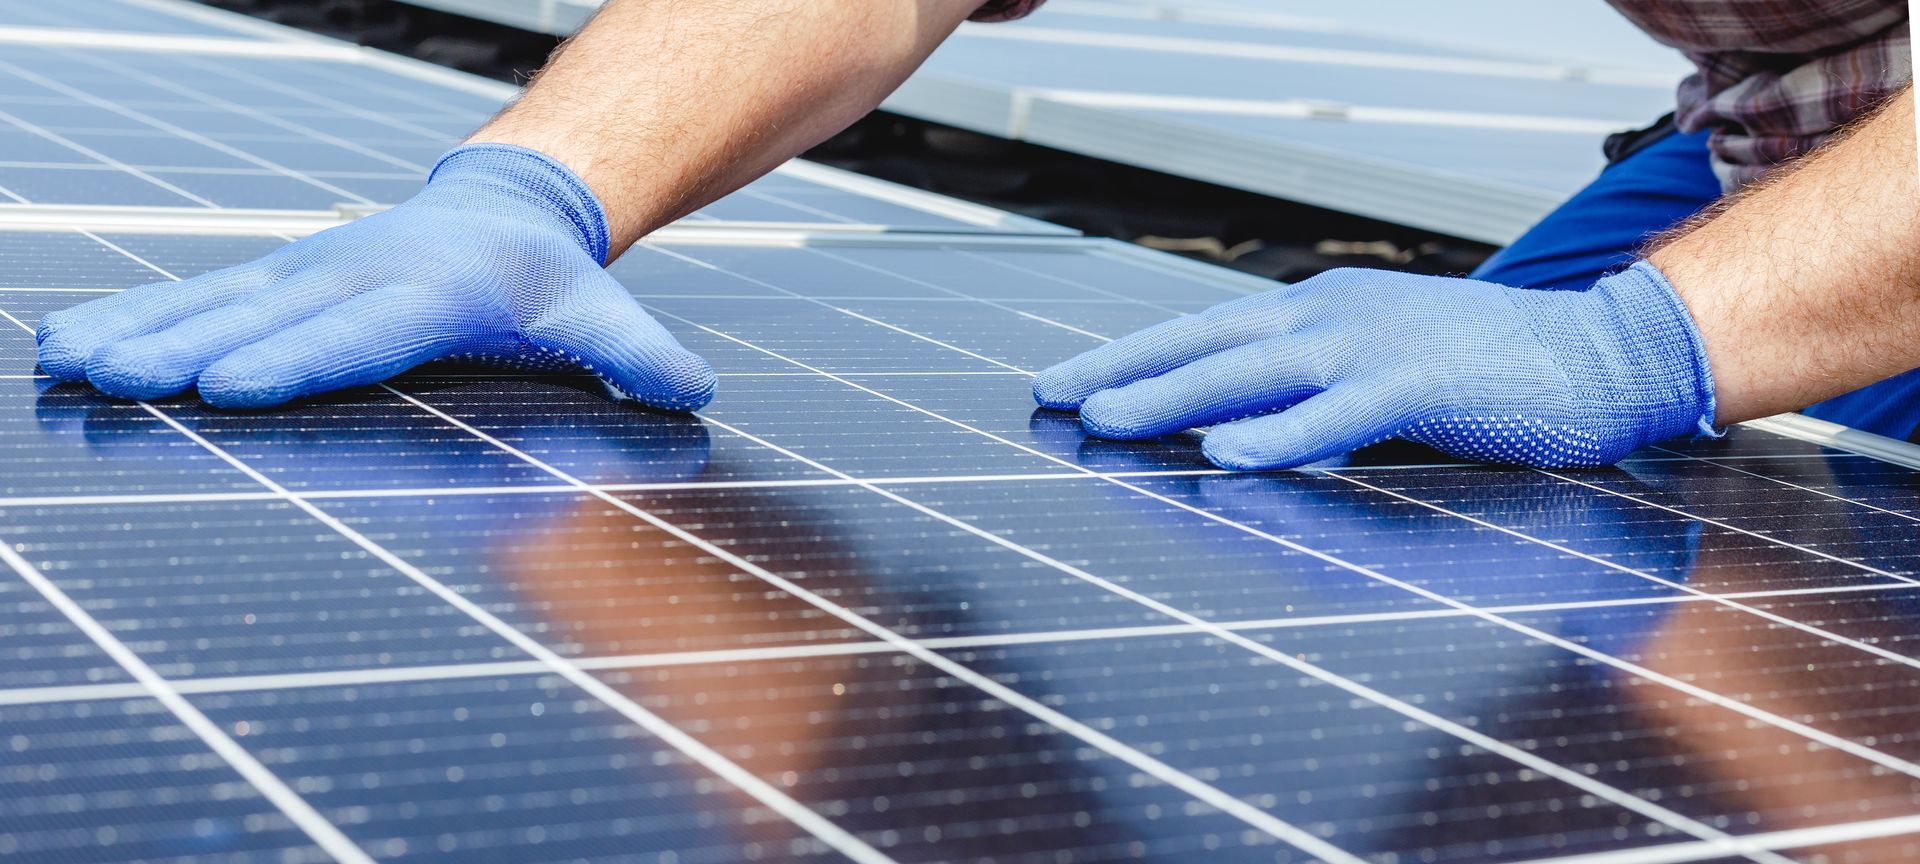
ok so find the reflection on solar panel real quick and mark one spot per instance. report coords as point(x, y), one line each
point(872, 606)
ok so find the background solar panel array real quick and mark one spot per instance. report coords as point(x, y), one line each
point(873, 606)
point(1472, 121)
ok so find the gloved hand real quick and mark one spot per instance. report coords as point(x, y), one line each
point(1354, 357)
point(497, 260)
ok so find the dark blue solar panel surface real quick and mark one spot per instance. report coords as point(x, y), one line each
point(871, 604)
point(1407, 660)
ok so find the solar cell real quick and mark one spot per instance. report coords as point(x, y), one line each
point(874, 605)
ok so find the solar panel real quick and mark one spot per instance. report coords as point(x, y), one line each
point(248, 128)
point(875, 580)
point(138, 17)
point(1474, 143)
point(1440, 120)
point(871, 605)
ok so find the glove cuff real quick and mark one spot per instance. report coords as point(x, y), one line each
point(535, 178)
point(1663, 352)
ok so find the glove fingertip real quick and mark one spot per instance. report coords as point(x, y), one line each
point(681, 382)
point(225, 385)
point(136, 372)
point(50, 323)
point(1058, 389)
point(1232, 450)
point(59, 359)
point(1108, 414)
point(1271, 443)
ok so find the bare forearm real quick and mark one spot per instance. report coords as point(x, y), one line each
point(1809, 287)
point(662, 106)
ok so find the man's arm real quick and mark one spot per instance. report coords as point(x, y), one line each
point(1801, 290)
point(1808, 286)
point(662, 106)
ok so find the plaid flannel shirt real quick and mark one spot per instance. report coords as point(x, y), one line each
point(1778, 77)
point(1775, 77)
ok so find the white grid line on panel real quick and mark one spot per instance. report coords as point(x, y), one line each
point(1819, 736)
point(204, 169)
point(1252, 816)
point(957, 295)
point(26, 290)
point(1758, 535)
point(1809, 629)
point(992, 261)
point(1764, 716)
point(141, 498)
point(328, 103)
point(1795, 838)
point(1573, 778)
point(1719, 460)
point(129, 255)
point(91, 153)
point(195, 137)
point(787, 202)
point(748, 783)
point(16, 322)
point(779, 802)
point(441, 672)
point(1626, 800)
point(420, 71)
point(550, 489)
point(256, 114)
point(1885, 654)
point(151, 684)
point(904, 331)
point(848, 312)
point(169, 43)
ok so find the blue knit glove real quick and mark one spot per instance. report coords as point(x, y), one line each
point(496, 261)
point(1354, 357)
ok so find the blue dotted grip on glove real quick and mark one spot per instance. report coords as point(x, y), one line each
point(1349, 358)
point(497, 261)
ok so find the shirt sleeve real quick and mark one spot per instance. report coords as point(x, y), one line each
point(1005, 10)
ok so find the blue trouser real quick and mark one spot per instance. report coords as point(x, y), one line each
point(1599, 230)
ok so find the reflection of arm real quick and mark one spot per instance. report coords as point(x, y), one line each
point(879, 743)
point(1836, 688)
point(1809, 286)
point(661, 106)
